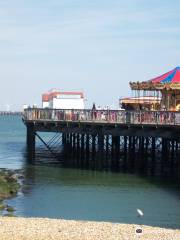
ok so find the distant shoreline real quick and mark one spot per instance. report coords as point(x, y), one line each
point(45, 229)
point(10, 113)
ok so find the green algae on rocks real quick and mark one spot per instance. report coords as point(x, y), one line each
point(8, 185)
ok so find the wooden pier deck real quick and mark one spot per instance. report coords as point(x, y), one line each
point(124, 135)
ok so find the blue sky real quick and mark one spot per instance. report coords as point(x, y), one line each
point(93, 46)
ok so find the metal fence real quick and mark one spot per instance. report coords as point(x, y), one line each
point(104, 116)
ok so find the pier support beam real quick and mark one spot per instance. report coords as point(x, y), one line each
point(101, 144)
point(125, 154)
point(107, 145)
point(64, 138)
point(87, 147)
point(31, 141)
point(131, 153)
point(78, 146)
point(82, 148)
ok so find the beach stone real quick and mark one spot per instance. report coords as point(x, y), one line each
point(10, 209)
point(2, 206)
point(15, 177)
point(13, 228)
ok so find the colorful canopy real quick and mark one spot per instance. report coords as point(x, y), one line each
point(172, 76)
point(169, 80)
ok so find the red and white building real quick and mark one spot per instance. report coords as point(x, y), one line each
point(56, 99)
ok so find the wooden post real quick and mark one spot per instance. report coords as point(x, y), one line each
point(153, 155)
point(87, 150)
point(141, 154)
point(64, 139)
point(133, 153)
point(117, 150)
point(82, 148)
point(125, 153)
point(130, 152)
point(100, 151)
point(87, 146)
point(177, 161)
point(113, 147)
point(163, 154)
point(74, 141)
point(172, 156)
point(78, 145)
point(101, 144)
point(107, 145)
point(93, 146)
point(31, 141)
point(70, 141)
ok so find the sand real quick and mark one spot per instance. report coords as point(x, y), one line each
point(15, 228)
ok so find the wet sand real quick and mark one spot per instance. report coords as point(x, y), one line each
point(12, 228)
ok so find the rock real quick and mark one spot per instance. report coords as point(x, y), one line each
point(9, 179)
point(9, 185)
point(10, 209)
point(13, 191)
point(20, 176)
point(2, 206)
point(8, 215)
point(15, 177)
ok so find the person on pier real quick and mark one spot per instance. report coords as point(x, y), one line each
point(94, 111)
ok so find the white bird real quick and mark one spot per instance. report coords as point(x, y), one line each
point(140, 212)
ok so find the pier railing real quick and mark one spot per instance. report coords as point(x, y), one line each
point(103, 116)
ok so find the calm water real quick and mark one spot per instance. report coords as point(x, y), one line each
point(50, 191)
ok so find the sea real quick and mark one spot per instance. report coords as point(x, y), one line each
point(50, 190)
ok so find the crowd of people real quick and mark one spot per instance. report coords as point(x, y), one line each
point(119, 116)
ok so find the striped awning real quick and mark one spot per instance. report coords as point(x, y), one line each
point(169, 80)
point(172, 76)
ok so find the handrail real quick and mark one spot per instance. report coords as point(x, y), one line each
point(105, 116)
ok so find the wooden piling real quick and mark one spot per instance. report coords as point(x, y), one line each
point(31, 141)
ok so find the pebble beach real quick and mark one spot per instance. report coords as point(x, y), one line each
point(15, 228)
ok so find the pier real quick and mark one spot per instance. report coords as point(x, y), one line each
point(147, 141)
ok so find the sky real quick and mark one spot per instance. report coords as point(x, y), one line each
point(94, 46)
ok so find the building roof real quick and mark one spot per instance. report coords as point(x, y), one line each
point(54, 93)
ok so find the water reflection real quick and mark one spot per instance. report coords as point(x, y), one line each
point(52, 191)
